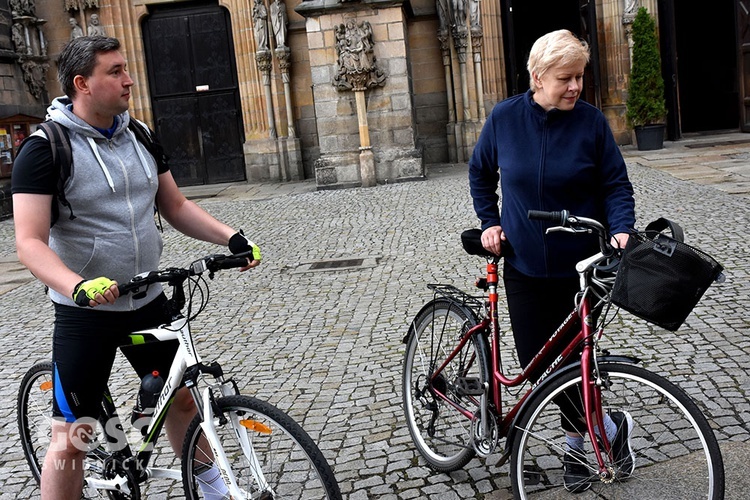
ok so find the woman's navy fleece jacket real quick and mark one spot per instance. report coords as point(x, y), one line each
point(556, 160)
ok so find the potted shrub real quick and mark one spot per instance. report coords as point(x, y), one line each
point(646, 109)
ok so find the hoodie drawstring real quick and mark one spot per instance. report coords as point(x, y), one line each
point(92, 143)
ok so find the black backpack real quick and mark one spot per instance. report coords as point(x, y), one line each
point(62, 156)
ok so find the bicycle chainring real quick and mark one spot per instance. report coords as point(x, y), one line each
point(113, 467)
point(484, 445)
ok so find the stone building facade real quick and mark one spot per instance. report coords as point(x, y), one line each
point(261, 90)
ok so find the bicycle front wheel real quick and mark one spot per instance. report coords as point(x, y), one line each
point(270, 455)
point(441, 432)
point(670, 451)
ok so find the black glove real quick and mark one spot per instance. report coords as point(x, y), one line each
point(238, 243)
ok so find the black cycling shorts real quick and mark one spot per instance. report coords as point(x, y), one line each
point(84, 346)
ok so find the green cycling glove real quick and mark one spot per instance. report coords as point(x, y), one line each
point(86, 290)
point(239, 243)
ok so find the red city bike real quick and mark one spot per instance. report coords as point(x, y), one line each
point(453, 381)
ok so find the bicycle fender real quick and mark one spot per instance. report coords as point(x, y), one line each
point(469, 313)
point(630, 360)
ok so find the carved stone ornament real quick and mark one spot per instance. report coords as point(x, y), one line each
point(30, 45)
point(23, 8)
point(95, 28)
point(81, 4)
point(34, 75)
point(357, 65)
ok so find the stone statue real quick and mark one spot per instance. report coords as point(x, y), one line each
point(19, 40)
point(260, 25)
point(279, 21)
point(95, 29)
point(443, 15)
point(459, 13)
point(631, 6)
point(474, 14)
point(75, 29)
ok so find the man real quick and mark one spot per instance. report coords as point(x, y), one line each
point(112, 237)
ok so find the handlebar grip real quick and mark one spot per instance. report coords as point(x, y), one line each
point(560, 218)
point(231, 262)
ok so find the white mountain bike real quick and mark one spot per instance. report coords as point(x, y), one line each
point(259, 451)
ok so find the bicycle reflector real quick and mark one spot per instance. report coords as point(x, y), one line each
point(256, 426)
point(46, 385)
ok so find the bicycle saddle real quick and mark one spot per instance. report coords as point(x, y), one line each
point(472, 242)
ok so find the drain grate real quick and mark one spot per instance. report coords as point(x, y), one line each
point(336, 264)
point(343, 264)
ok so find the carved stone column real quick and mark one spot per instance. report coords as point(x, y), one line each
point(263, 58)
point(476, 48)
point(461, 42)
point(630, 8)
point(291, 153)
point(445, 49)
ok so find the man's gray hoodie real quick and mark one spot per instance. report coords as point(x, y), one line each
point(111, 189)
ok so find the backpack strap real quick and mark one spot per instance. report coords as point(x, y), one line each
point(62, 159)
point(146, 137)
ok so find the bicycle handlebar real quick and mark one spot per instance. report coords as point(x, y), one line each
point(177, 275)
point(573, 223)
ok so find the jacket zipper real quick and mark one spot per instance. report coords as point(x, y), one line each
point(542, 164)
point(133, 231)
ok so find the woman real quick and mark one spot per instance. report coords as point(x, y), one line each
point(551, 151)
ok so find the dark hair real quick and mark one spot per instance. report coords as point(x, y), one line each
point(78, 57)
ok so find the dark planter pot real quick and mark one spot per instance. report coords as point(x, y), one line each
point(650, 137)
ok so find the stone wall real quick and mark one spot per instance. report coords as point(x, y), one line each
point(410, 113)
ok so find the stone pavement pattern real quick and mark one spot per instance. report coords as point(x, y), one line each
point(326, 346)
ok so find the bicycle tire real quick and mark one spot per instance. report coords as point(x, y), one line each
point(442, 435)
point(675, 453)
point(34, 416)
point(291, 462)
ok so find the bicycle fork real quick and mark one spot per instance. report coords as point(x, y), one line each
point(594, 414)
point(221, 459)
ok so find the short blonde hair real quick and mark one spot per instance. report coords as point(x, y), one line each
point(557, 48)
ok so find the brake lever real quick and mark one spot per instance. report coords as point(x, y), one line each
point(558, 229)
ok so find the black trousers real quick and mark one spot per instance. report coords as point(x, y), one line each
point(537, 307)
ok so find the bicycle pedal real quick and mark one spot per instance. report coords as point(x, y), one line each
point(470, 386)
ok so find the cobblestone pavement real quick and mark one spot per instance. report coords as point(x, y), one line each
point(326, 346)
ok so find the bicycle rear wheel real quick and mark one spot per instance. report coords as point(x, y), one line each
point(290, 461)
point(34, 411)
point(35, 415)
point(675, 452)
point(441, 433)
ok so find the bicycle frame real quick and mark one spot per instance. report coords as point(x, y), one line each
point(186, 367)
point(553, 355)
